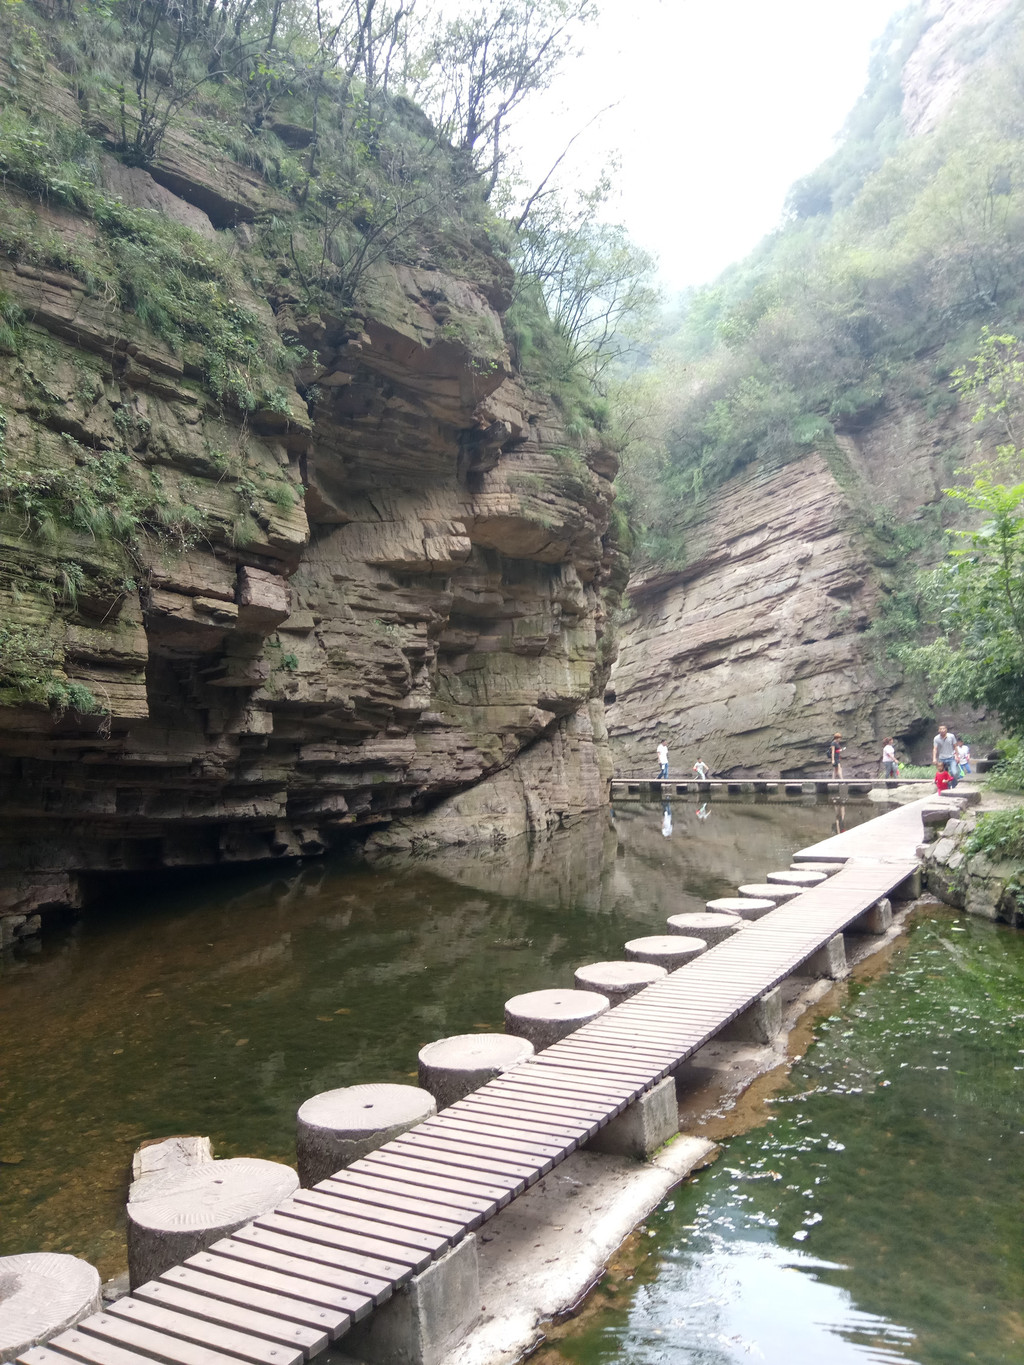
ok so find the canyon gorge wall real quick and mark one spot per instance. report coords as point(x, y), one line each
point(763, 645)
point(772, 622)
point(391, 585)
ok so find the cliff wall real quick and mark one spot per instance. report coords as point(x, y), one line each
point(389, 583)
point(766, 643)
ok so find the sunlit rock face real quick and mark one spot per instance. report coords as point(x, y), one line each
point(762, 647)
point(953, 35)
point(401, 587)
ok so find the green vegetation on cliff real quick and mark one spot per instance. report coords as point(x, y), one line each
point(871, 294)
point(194, 200)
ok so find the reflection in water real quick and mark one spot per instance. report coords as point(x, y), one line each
point(666, 820)
point(217, 1007)
point(704, 811)
point(878, 1215)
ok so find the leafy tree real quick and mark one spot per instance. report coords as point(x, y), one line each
point(477, 70)
point(977, 595)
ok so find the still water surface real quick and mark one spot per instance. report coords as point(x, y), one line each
point(877, 1215)
point(218, 1006)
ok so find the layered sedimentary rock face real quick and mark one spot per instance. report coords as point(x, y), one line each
point(374, 592)
point(762, 647)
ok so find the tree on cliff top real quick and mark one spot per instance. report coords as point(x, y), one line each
point(977, 594)
point(477, 69)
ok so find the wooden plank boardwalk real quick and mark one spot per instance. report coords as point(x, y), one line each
point(789, 786)
point(283, 1287)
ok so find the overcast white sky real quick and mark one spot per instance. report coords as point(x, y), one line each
point(722, 105)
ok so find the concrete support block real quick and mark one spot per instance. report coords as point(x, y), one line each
point(746, 907)
point(545, 1017)
point(760, 1024)
point(424, 1321)
point(190, 1208)
point(876, 920)
point(828, 961)
point(643, 1126)
point(453, 1068)
point(670, 951)
point(42, 1293)
point(336, 1127)
point(909, 889)
point(769, 891)
point(803, 879)
point(617, 981)
point(711, 928)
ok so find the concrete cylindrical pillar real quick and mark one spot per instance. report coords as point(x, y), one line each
point(336, 1127)
point(745, 907)
point(711, 928)
point(41, 1294)
point(670, 951)
point(453, 1068)
point(617, 980)
point(187, 1210)
point(769, 891)
point(828, 868)
point(800, 879)
point(546, 1016)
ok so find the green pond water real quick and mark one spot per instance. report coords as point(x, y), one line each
point(216, 1006)
point(877, 1215)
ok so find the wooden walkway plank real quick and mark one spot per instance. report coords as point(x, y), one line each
point(270, 1315)
point(290, 1238)
point(396, 1195)
point(426, 1235)
point(84, 1350)
point(201, 1331)
point(434, 1176)
point(327, 1302)
point(337, 1231)
point(119, 1332)
point(261, 1251)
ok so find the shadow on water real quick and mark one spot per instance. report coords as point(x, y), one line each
point(217, 1006)
point(875, 1215)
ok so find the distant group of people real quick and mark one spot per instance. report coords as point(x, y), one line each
point(700, 767)
point(951, 757)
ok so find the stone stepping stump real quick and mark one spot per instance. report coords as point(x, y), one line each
point(337, 1127)
point(769, 891)
point(453, 1068)
point(709, 927)
point(670, 951)
point(800, 879)
point(545, 1017)
point(176, 1215)
point(42, 1293)
point(617, 980)
point(744, 907)
point(829, 869)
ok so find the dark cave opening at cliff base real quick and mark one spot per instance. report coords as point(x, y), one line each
point(216, 1005)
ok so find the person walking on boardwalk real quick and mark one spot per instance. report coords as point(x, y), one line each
point(663, 760)
point(702, 770)
point(835, 755)
point(944, 753)
point(890, 768)
point(962, 755)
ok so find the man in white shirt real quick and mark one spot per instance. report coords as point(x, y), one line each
point(890, 768)
point(663, 760)
point(944, 752)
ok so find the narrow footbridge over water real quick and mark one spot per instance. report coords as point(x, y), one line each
point(284, 1286)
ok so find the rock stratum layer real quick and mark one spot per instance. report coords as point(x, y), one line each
point(368, 601)
point(761, 647)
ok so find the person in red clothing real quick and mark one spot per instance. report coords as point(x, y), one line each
point(942, 780)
